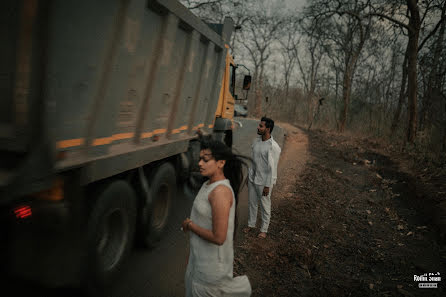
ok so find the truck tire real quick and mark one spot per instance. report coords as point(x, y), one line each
point(228, 138)
point(191, 178)
point(219, 136)
point(223, 136)
point(110, 232)
point(162, 190)
point(195, 181)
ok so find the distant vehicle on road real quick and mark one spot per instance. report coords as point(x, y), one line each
point(240, 110)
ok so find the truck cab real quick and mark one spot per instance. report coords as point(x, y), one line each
point(226, 101)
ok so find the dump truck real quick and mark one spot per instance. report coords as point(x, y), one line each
point(101, 104)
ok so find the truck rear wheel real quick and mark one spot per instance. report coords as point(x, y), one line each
point(162, 190)
point(110, 232)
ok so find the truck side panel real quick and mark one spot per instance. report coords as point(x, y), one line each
point(201, 92)
point(102, 81)
point(78, 49)
point(137, 78)
point(8, 56)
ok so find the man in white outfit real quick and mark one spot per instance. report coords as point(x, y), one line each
point(263, 175)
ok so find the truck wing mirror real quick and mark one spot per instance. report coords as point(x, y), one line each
point(247, 82)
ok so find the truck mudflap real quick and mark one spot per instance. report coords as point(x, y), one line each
point(222, 124)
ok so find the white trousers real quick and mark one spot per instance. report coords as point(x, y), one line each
point(254, 197)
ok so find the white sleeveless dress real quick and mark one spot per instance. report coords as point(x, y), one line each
point(210, 268)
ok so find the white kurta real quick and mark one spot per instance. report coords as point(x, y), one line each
point(210, 268)
point(265, 156)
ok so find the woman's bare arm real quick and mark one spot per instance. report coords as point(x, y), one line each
point(221, 201)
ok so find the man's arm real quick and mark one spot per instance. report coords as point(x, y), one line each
point(275, 154)
point(269, 175)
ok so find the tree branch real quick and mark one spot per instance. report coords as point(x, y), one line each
point(401, 24)
point(198, 5)
point(432, 33)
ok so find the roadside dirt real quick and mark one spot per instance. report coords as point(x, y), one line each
point(347, 220)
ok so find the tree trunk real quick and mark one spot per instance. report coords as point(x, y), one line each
point(348, 76)
point(402, 96)
point(433, 80)
point(346, 91)
point(412, 86)
point(336, 100)
point(444, 125)
point(258, 100)
point(295, 111)
point(257, 93)
point(309, 106)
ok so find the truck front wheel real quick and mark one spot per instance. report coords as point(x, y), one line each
point(110, 232)
point(223, 136)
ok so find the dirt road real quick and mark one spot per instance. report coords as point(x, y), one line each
point(344, 224)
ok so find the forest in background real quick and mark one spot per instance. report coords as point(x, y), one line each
point(372, 68)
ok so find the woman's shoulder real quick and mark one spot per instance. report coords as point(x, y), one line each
point(223, 188)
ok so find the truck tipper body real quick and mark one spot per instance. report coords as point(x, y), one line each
point(101, 104)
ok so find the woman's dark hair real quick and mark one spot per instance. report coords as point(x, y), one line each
point(233, 169)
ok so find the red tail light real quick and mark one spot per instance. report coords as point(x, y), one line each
point(23, 212)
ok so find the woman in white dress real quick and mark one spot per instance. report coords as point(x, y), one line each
point(211, 225)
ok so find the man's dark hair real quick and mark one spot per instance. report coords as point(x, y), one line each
point(268, 123)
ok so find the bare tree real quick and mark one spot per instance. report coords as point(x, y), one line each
point(309, 57)
point(350, 28)
point(257, 37)
point(413, 27)
point(433, 65)
point(288, 44)
point(289, 41)
point(195, 5)
point(402, 94)
point(214, 11)
point(412, 22)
